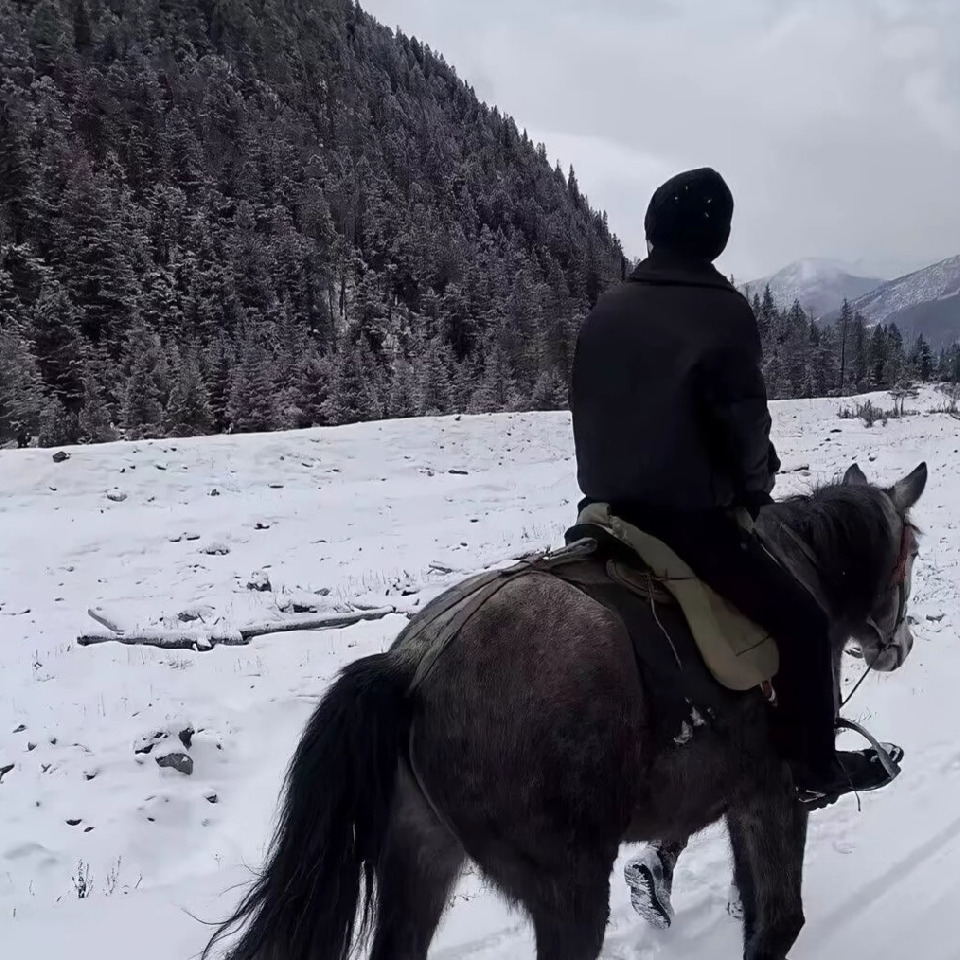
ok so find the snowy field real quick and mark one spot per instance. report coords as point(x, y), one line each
point(107, 855)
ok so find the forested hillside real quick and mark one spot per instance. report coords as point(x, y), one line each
point(239, 215)
point(804, 358)
point(254, 214)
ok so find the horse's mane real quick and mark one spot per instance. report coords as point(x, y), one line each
point(852, 531)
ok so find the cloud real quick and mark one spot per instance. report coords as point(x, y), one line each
point(836, 122)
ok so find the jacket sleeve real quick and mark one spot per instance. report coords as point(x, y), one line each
point(735, 411)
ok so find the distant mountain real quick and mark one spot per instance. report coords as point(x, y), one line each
point(820, 285)
point(925, 302)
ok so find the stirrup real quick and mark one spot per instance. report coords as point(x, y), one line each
point(888, 755)
point(889, 763)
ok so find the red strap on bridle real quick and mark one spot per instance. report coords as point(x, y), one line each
point(906, 549)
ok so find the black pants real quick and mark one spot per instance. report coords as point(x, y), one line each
point(734, 563)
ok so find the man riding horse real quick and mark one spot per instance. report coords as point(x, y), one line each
point(672, 429)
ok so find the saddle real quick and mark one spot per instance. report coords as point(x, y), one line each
point(671, 621)
point(738, 652)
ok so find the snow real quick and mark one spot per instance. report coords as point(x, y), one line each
point(373, 514)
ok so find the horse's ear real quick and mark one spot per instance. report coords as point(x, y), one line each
point(906, 492)
point(855, 476)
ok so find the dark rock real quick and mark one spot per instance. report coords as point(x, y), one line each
point(74, 823)
point(116, 496)
point(180, 762)
point(31, 746)
point(60, 456)
point(150, 743)
point(21, 728)
point(4, 770)
point(211, 797)
point(214, 493)
point(216, 549)
point(459, 473)
point(186, 737)
point(259, 581)
point(261, 526)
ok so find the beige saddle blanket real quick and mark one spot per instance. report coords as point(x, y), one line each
point(738, 653)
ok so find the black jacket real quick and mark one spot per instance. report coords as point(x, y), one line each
point(668, 399)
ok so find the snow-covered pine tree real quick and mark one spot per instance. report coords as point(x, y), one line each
point(188, 412)
point(253, 404)
point(146, 371)
point(23, 401)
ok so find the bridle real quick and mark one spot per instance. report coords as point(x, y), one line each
point(908, 550)
point(898, 579)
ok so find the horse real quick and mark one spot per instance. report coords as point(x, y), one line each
point(528, 748)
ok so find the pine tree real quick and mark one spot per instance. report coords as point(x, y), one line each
point(188, 412)
point(22, 399)
point(766, 311)
point(403, 399)
point(549, 392)
point(879, 357)
point(921, 360)
point(60, 349)
point(845, 323)
point(253, 405)
point(859, 354)
point(95, 420)
point(434, 388)
point(57, 425)
point(896, 360)
point(143, 394)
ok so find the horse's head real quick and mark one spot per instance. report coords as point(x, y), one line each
point(883, 635)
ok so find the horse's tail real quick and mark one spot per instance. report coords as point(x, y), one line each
point(336, 809)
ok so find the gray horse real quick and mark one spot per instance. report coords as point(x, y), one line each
point(529, 749)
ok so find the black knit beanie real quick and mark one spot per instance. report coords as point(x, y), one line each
point(690, 214)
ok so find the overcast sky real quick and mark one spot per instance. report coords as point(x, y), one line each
point(836, 122)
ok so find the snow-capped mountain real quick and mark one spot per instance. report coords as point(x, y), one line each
point(927, 302)
point(820, 285)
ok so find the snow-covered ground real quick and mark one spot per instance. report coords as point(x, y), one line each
point(151, 531)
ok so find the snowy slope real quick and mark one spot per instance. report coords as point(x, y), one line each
point(363, 512)
point(820, 285)
point(927, 302)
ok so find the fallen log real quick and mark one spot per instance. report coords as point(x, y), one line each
point(166, 639)
point(313, 621)
point(206, 640)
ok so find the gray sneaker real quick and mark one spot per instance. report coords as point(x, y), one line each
point(650, 882)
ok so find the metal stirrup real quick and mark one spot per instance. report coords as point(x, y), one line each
point(889, 765)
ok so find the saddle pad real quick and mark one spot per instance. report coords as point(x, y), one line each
point(738, 652)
